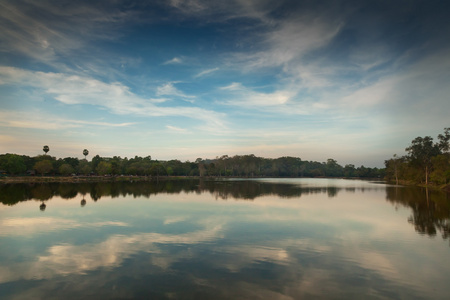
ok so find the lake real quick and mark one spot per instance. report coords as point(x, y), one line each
point(224, 239)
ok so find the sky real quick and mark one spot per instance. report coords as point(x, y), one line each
point(355, 81)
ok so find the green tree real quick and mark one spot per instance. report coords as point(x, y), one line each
point(95, 161)
point(84, 167)
point(85, 153)
point(43, 166)
point(157, 170)
point(132, 169)
point(65, 169)
point(420, 153)
point(349, 171)
point(13, 163)
point(441, 169)
point(393, 167)
point(201, 169)
point(117, 164)
point(73, 161)
point(45, 149)
point(444, 140)
point(104, 168)
point(332, 168)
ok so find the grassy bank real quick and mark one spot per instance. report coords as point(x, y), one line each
point(445, 187)
point(74, 179)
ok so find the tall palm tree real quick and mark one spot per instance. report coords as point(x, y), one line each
point(85, 153)
point(46, 149)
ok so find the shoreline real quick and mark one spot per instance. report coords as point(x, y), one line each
point(76, 179)
point(71, 179)
point(444, 187)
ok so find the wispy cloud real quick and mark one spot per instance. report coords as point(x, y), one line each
point(169, 89)
point(188, 6)
point(47, 32)
point(36, 119)
point(116, 97)
point(31, 226)
point(206, 72)
point(173, 61)
point(78, 259)
point(291, 40)
point(243, 96)
point(177, 129)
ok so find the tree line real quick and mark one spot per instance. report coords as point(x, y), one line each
point(224, 166)
point(426, 162)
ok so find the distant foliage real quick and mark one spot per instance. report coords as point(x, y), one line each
point(224, 166)
point(66, 169)
point(12, 163)
point(43, 167)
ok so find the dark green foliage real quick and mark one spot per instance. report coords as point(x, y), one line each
point(104, 168)
point(224, 166)
point(12, 164)
point(74, 162)
point(43, 167)
point(426, 162)
point(444, 141)
point(158, 170)
point(66, 169)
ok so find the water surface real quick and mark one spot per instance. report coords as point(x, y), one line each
point(226, 239)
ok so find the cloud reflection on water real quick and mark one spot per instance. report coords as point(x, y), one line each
point(63, 259)
point(31, 226)
point(270, 248)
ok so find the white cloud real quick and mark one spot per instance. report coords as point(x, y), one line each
point(115, 97)
point(173, 61)
point(177, 129)
point(172, 220)
point(169, 89)
point(51, 31)
point(66, 259)
point(296, 38)
point(407, 95)
point(206, 72)
point(285, 42)
point(245, 97)
point(31, 226)
point(40, 120)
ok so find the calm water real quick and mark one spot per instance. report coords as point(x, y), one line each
point(233, 239)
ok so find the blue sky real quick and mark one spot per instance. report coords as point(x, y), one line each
point(351, 80)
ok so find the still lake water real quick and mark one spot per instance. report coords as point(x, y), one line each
point(228, 239)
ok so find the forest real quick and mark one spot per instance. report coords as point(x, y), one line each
point(425, 162)
point(224, 166)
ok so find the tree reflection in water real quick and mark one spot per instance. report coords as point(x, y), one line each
point(430, 209)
